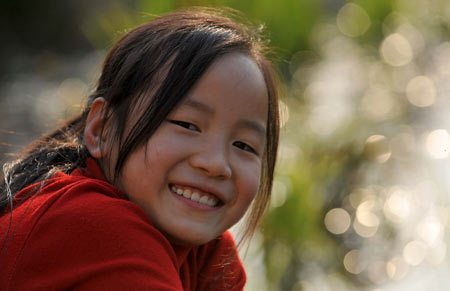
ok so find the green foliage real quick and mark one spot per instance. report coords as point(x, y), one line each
point(288, 25)
point(289, 22)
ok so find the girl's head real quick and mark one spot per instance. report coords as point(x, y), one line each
point(186, 103)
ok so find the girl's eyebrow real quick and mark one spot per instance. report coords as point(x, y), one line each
point(198, 105)
point(245, 123)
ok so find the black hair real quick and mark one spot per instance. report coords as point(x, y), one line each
point(165, 56)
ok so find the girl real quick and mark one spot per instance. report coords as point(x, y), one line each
point(176, 142)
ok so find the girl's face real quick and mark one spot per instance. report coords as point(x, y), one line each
point(199, 172)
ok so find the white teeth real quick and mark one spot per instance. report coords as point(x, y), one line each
point(203, 200)
point(187, 193)
point(212, 202)
point(194, 196)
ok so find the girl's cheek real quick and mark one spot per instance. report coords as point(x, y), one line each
point(167, 140)
point(250, 179)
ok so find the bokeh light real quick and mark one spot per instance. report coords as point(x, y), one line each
point(421, 91)
point(377, 148)
point(397, 207)
point(430, 231)
point(396, 50)
point(365, 214)
point(365, 230)
point(414, 252)
point(438, 143)
point(352, 20)
point(337, 220)
point(354, 263)
point(397, 268)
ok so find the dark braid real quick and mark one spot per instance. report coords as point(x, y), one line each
point(60, 150)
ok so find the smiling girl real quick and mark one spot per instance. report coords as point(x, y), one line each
point(177, 141)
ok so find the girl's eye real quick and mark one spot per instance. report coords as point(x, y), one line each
point(244, 146)
point(185, 124)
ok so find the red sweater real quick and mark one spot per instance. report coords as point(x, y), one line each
point(80, 232)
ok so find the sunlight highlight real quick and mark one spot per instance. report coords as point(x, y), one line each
point(353, 262)
point(430, 231)
point(396, 50)
point(377, 148)
point(337, 221)
point(421, 91)
point(438, 144)
point(397, 207)
point(397, 268)
point(414, 252)
point(364, 230)
point(352, 20)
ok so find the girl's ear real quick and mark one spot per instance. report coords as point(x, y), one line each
point(94, 137)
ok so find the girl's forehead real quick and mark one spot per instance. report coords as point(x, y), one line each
point(234, 73)
point(233, 85)
point(242, 65)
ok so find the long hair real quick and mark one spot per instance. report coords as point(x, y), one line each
point(163, 58)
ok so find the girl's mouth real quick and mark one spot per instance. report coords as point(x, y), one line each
point(195, 195)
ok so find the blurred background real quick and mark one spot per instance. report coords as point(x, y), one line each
point(361, 197)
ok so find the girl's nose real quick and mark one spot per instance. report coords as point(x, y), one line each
point(212, 161)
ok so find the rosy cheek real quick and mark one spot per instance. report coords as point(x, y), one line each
point(166, 148)
point(251, 183)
